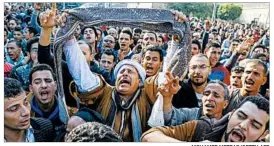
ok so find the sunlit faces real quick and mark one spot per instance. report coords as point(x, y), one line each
point(12, 24)
point(214, 100)
point(109, 42)
point(235, 79)
point(13, 51)
point(199, 70)
point(233, 45)
point(124, 41)
point(17, 112)
point(18, 36)
point(246, 124)
point(149, 39)
point(194, 49)
point(151, 62)
point(253, 77)
point(113, 32)
point(214, 55)
point(89, 35)
point(107, 62)
point(33, 52)
point(160, 41)
point(43, 87)
point(127, 81)
point(27, 34)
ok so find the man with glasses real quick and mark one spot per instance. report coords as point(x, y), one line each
point(190, 93)
point(219, 72)
point(108, 42)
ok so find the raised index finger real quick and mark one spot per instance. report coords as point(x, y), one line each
point(53, 9)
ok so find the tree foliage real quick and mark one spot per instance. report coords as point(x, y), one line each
point(229, 11)
point(200, 10)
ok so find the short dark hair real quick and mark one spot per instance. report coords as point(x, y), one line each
point(97, 28)
point(12, 18)
point(258, 46)
point(226, 91)
point(238, 69)
point(41, 67)
point(260, 102)
point(160, 36)
point(32, 30)
point(18, 28)
point(30, 42)
point(93, 132)
point(236, 40)
point(259, 62)
point(152, 33)
point(156, 49)
point(197, 43)
point(137, 30)
point(213, 44)
point(92, 27)
point(18, 44)
point(127, 32)
point(12, 88)
point(109, 52)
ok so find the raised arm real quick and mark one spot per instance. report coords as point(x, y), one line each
point(78, 67)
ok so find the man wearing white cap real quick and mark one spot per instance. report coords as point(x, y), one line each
point(125, 107)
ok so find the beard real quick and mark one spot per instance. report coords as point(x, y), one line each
point(198, 83)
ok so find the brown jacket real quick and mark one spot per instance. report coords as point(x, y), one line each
point(196, 130)
point(102, 99)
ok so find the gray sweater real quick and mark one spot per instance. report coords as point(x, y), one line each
point(181, 115)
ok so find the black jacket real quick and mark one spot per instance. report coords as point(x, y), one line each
point(186, 96)
point(43, 129)
point(210, 129)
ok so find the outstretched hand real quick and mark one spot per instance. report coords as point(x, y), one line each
point(170, 86)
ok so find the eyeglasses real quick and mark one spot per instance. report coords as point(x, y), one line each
point(110, 41)
point(193, 67)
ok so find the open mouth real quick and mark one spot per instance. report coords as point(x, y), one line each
point(149, 69)
point(234, 84)
point(124, 81)
point(236, 136)
point(210, 106)
point(44, 94)
point(249, 83)
point(123, 45)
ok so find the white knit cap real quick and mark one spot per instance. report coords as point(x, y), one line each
point(139, 68)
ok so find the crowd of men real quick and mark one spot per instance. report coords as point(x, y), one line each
point(110, 80)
